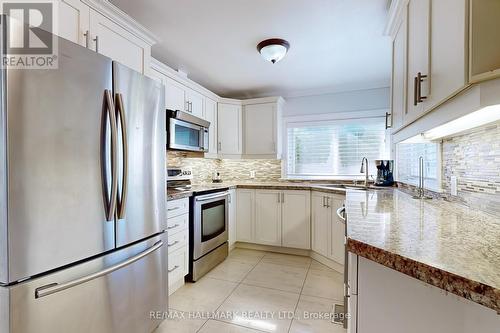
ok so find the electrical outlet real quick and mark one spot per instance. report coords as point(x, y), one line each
point(252, 174)
point(454, 185)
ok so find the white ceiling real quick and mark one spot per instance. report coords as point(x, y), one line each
point(336, 45)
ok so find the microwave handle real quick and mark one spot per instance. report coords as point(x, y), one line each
point(204, 139)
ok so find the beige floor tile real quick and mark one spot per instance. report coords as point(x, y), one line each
point(247, 256)
point(287, 259)
point(314, 315)
point(214, 326)
point(281, 277)
point(205, 295)
point(319, 266)
point(260, 308)
point(323, 283)
point(180, 323)
point(231, 270)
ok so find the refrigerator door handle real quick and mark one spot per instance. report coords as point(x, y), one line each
point(109, 112)
point(122, 203)
point(56, 287)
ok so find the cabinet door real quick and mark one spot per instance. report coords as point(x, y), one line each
point(296, 219)
point(229, 129)
point(113, 41)
point(196, 102)
point(268, 217)
point(418, 54)
point(260, 129)
point(74, 21)
point(232, 217)
point(336, 230)
point(320, 218)
point(210, 114)
point(175, 95)
point(448, 49)
point(245, 218)
point(398, 87)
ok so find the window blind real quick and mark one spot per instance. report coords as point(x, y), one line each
point(334, 148)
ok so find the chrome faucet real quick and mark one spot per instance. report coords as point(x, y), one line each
point(364, 169)
point(421, 177)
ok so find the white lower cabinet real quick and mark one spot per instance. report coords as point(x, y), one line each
point(296, 219)
point(391, 302)
point(274, 217)
point(245, 215)
point(328, 231)
point(232, 217)
point(268, 217)
point(178, 242)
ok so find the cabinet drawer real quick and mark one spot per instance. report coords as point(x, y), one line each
point(177, 224)
point(177, 265)
point(177, 241)
point(177, 207)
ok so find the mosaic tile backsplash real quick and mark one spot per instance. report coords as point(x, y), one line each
point(474, 158)
point(230, 170)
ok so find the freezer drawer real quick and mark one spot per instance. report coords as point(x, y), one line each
point(114, 293)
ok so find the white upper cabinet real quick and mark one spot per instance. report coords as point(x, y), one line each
point(100, 26)
point(195, 103)
point(229, 126)
point(418, 58)
point(175, 95)
point(398, 86)
point(484, 52)
point(111, 40)
point(74, 21)
point(210, 114)
point(262, 120)
point(296, 217)
point(448, 50)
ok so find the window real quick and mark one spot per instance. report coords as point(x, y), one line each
point(334, 148)
point(408, 155)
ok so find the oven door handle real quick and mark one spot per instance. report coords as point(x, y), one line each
point(210, 197)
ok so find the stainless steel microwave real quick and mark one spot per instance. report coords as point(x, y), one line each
point(187, 132)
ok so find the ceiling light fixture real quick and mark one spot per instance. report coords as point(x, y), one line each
point(273, 49)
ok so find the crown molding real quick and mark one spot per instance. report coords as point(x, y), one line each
point(395, 17)
point(115, 14)
point(274, 99)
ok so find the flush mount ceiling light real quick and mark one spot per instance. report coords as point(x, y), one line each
point(273, 49)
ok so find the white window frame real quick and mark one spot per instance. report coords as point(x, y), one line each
point(321, 119)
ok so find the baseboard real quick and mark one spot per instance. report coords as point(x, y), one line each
point(327, 262)
point(269, 248)
point(298, 252)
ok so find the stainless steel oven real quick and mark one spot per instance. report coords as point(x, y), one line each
point(209, 232)
point(187, 132)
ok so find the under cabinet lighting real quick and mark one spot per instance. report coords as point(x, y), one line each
point(475, 119)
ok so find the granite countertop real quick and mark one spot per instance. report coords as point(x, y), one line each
point(441, 243)
point(173, 194)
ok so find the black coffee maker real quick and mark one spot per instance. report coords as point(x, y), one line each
point(385, 172)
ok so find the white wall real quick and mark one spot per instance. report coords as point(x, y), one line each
point(359, 100)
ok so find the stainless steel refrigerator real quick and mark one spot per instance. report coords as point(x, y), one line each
point(82, 197)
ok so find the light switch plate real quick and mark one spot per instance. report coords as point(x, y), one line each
point(252, 174)
point(454, 185)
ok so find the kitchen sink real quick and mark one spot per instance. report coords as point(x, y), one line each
point(350, 187)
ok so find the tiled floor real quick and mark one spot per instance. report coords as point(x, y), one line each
point(256, 291)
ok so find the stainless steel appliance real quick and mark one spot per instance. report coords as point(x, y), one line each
point(82, 197)
point(187, 132)
point(179, 174)
point(208, 232)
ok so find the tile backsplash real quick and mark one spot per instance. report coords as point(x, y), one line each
point(230, 170)
point(474, 158)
